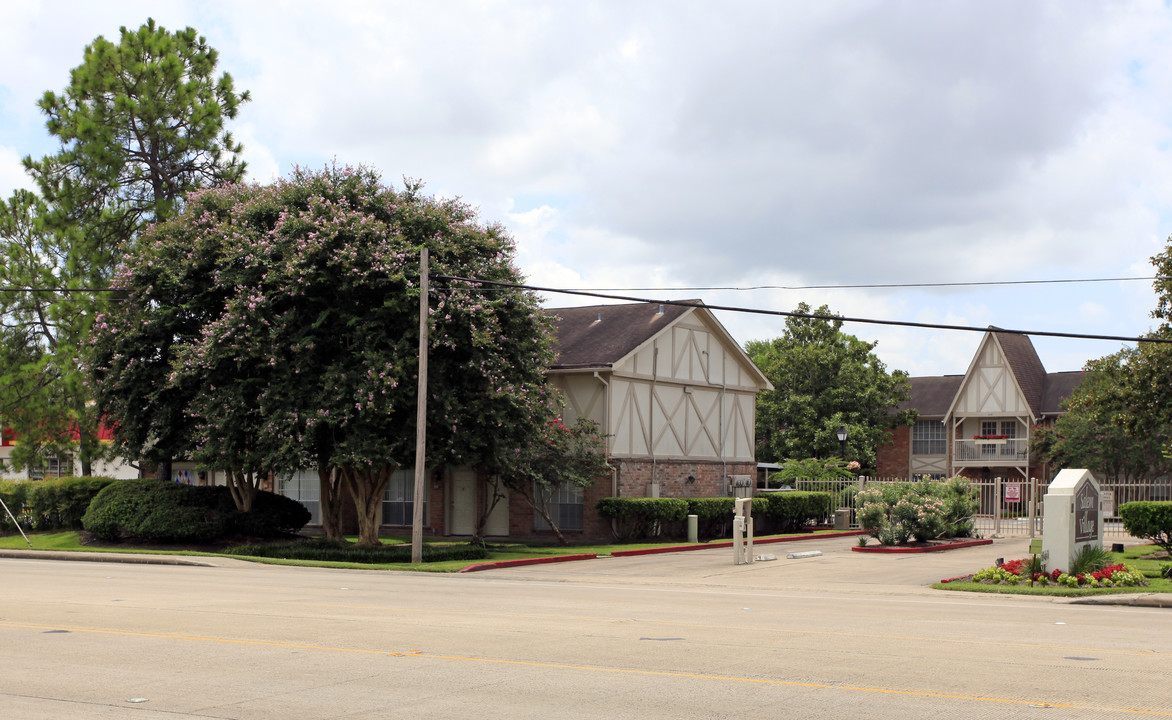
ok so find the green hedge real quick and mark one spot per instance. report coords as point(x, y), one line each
point(1149, 520)
point(47, 505)
point(153, 511)
point(327, 551)
point(639, 518)
point(792, 511)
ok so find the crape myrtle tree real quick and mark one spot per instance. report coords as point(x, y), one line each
point(556, 457)
point(290, 314)
point(141, 124)
point(823, 379)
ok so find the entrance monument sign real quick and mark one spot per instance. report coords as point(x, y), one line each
point(1073, 517)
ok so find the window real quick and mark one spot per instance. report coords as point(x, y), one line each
point(54, 467)
point(565, 507)
point(398, 500)
point(1009, 430)
point(305, 488)
point(988, 429)
point(929, 438)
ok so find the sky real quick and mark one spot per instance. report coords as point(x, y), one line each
point(660, 147)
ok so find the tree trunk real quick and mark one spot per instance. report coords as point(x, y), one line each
point(543, 509)
point(163, 470)
point(367, 485)
point(330, 501)
point(491, 497)
point(242, 485)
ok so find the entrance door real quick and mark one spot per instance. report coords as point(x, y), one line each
point(463, 503)
point(498, 521)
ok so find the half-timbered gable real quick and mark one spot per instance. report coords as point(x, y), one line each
point(674, 393)
point(980, 424)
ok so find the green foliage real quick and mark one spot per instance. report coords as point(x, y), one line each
point(1090, 559)
point(714, 515)
point(61, 504)
point(1149, 520)
point(271, 515)
point(288, 322)
point(792, 511)
point(140, 125)
point(638, 518)
point(555, 456)
point(1093, 432)
point(153, 511)
point(833, 468)
point(332, 551)
point(896, 513)
point(824, 379)
point(14, 495)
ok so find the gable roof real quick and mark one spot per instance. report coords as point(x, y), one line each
point(932, 396)
point(602, 335)
point(1059, 386)
point(1026, 366)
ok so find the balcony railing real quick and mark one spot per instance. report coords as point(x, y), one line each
point(1008, 451)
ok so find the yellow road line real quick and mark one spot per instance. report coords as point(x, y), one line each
point(594, 668)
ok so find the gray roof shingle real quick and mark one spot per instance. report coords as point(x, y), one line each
point(601, 335)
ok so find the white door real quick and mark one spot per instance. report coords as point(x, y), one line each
point(463, 502)
point(498, 520)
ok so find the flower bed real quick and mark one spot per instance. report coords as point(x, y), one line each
point(1017, 572)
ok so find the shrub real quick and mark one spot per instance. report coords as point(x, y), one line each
point(791, 511)
point(1090, 559)
point(329, 551)
point(60, 504)
point(1149, 520)
point(149, 510)
point(272, 515)
point(714, 515)
point(641, 517)
point(156, 511)
point(896, 513)
point(14, 495)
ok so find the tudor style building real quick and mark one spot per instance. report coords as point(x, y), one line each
point(980, 424)
point(672, 391)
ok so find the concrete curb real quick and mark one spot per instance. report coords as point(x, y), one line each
point(527, 561)
point(728, 544)
point(105, 557)
point(931, 548)
point(1150, 600)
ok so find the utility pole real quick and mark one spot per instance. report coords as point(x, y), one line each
point(420, 419)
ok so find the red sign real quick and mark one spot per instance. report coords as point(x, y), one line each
point(1012, 492)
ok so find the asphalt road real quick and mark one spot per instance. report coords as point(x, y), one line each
point(687, 635)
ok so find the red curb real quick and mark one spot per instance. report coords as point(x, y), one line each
point(933, 548)
point(945, 581)
point(527, 561)
point(728, 544)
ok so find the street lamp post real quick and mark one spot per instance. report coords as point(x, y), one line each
point(842, 441)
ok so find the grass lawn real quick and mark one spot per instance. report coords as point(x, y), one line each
point(1133, 557)
point(497, 551)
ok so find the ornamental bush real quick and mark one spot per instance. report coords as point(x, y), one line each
point(331, 551)
point(897, 513)
point(1149, 520)
point(14, 495)
point(636, 518)
point(47, 505)
point(161, 512)
point(792, 511)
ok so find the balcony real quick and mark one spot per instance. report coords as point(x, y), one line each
point(1005, 451)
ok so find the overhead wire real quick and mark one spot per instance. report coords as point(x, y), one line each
point(812, 316)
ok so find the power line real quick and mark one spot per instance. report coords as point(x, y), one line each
point(876, 286)
point(782, 313)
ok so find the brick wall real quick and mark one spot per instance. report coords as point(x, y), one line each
point(892, 460)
